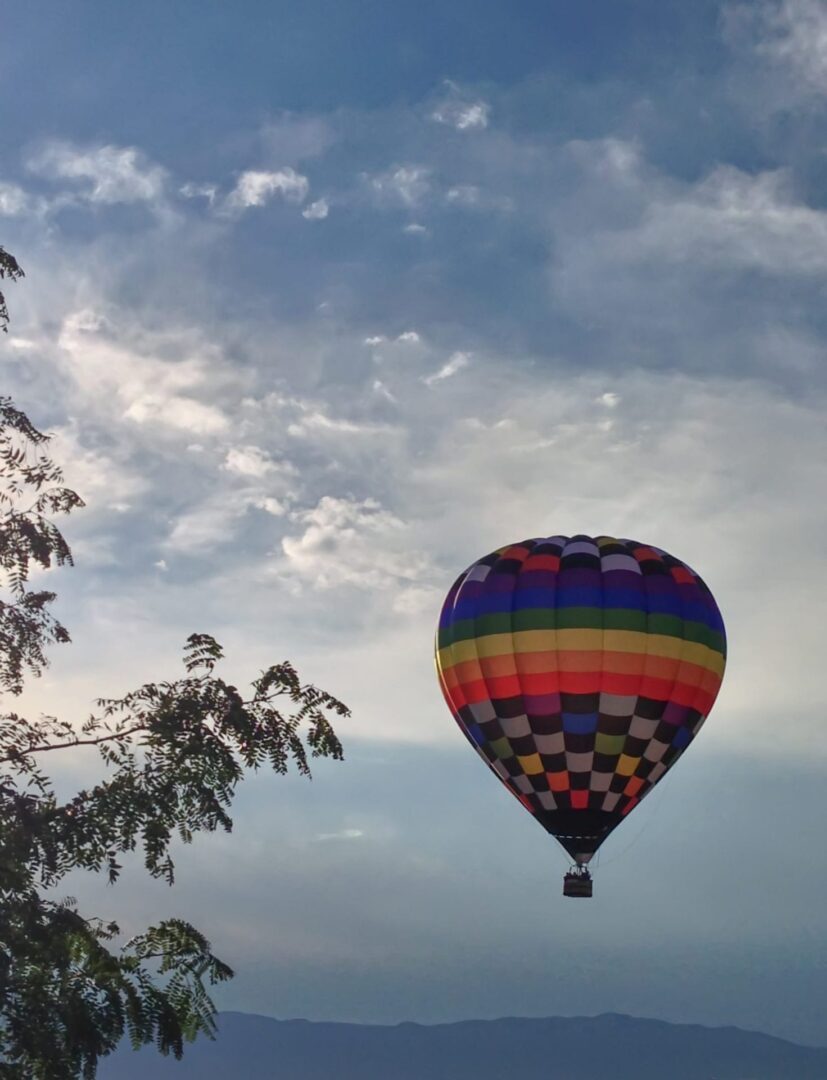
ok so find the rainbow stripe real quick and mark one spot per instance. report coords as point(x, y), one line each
point(580, 669)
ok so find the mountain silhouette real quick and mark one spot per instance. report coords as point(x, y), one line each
point(608, 1047)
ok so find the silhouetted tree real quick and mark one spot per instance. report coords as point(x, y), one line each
point(172, 755)
point(10, 269)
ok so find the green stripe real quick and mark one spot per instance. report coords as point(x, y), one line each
point(609, 744)
point(582, 618)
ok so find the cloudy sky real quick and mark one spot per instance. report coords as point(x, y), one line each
point(326, 300)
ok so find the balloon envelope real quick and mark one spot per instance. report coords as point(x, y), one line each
point(580, 669)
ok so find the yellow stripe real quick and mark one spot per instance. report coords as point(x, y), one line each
point(531, 764)
point(626, 765)
point(623, 641)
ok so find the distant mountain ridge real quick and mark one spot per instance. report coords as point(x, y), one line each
point(607, 1047)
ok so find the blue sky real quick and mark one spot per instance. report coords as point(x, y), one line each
point(324, 301)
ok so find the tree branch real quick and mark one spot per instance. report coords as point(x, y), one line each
point(16, 754)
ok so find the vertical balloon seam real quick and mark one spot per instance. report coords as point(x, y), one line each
point(562, 582)
point(627, 547)
point(450, 604)
point(653, 601)
point(513, 786)
point(602, 682)
point(681, 604)
point(647, 641)
point(709, 602)
point(555, 623)
point(475, 602)
point(512, 600)
point(455, 657)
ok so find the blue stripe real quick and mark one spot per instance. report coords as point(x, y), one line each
point(548, 599)
point(580, 723)
point(475, 731)
point(683, 737)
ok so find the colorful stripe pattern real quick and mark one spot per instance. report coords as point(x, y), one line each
point(580, 669)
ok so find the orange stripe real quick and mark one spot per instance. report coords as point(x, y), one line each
point(536, 663)
point(515, 552)
point(495, 666)
point(548, 682)
point(558, 781)
point(586, 661)
point(696, 687)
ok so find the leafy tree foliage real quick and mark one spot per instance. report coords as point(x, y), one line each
point(172, 756)
point(9, 268)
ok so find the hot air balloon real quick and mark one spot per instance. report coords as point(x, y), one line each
point(580, 669)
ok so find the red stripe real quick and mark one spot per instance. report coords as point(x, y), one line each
point(580, 682)
point(542, 562)
point(625, 685)
point(646, 554)
point(505, 686)
point(579, 800)
point(540, 682)
point(682, 575)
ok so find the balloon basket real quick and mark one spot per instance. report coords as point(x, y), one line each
point(577, 882)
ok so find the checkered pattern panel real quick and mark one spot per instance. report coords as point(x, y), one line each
point(580, 669)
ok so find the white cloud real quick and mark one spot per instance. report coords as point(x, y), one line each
point(740, 219)
point(216, 520)
point(456, 362)
point(790, 33)
point(14, 201)
point(270, 505)
point(112, 174)
point(103, 481)
point(408, 184)
point(409, 337)
point(107, 369)
point(656, 250)
point(315, 422)
point(459, 113)
point(249, 461)
point(207, 526)
point(343, 834)
point(464, 195)
point(257, 187)
point(375, 339)
point(382, 391)
point(414, 229)
point(294, 137)
point(609, 399)
point(350, 542)
point(316, 211)
point(199, 191)
point(310, 419)
point(171, 410)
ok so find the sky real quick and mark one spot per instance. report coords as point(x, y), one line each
point(325, 301)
